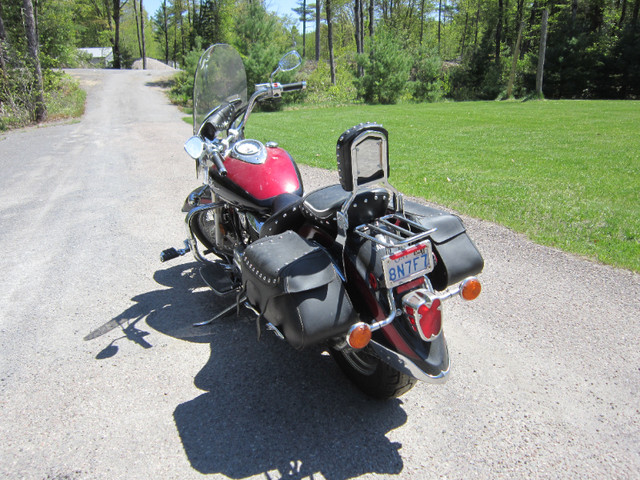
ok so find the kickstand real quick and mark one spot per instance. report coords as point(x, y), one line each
point(221, 314)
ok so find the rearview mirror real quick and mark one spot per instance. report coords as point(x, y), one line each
point(194, 147)
point(290, 61)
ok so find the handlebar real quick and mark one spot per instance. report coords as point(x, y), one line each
point(268, 90)
point(218, 161)
point(290, 87)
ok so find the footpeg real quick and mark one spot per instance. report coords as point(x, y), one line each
point(217, 276)
point(171, 253)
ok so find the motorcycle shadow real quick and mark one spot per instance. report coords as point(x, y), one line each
point(268, 409)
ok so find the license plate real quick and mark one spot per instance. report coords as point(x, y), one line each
point(406, 265)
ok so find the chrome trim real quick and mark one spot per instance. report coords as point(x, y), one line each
point(352, 329)
point(254, 222)
point(406, 365)
point(394, 312)
point(251, 307)
point(414, 300)
point(394, 232)
point(257, 156)
point(453, 291)
point(274, 329)
point(193, 243)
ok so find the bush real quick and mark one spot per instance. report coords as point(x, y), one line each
point(386, 70)
point(182, 90)
point(320, 91)
point(63, 95)
point(427, 84)
point(479, 77)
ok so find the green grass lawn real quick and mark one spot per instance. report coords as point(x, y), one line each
point(565, 173)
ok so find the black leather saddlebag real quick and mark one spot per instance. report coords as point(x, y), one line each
point(293, 283)
point(456, 253)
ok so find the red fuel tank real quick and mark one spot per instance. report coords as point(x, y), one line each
point(256, 175)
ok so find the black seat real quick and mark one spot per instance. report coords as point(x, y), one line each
point(322, 206)
point(287, 215)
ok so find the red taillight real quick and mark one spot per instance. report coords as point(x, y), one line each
point(429, 319)
point(424, 313)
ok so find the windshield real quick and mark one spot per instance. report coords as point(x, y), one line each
point(220, 78)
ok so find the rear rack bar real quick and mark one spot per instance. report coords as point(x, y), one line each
point(388, 226)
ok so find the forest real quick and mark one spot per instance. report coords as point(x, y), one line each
point(366, 51)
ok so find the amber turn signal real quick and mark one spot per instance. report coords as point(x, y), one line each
point(470, 288)
point(359, 335)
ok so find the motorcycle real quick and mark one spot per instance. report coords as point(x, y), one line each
point(353, 266)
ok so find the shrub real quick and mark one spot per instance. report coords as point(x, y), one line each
point(386, 70)
point(182, 90)
point(427, 84)
point(320, 91)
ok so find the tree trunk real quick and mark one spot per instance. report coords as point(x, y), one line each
point(439, 23)
point(116, 37)
point(516, 54)
point(175, 43)
point(464, 35)
point(304, 28)
point(317, 30)
point(542, 52)
point(107, 8)
point(182, 44)
point(475, 39)
point(135, 16)
point(622, 13)
point(165, 20)
point(40, 109)
point(3, 39)
point(144, 48)
point(499, 29)
point(332, 65)
point(371, 15)
point(422, 21)
point(356, 17)
point(359, 24)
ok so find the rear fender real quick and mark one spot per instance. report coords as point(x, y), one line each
point(394, 343)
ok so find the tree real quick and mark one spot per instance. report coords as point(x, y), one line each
point(138, 24)
point(386, 69)
point(332, 64)
point(318, 30)
point(3, 39)
point(116, 36)
point(303, 11)
point(161, 24)
point(40, 109)
point(541, 55)
point(144, 50)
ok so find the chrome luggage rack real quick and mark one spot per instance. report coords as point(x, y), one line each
point(395, 236)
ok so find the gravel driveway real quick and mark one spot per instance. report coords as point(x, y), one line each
point(546, 363)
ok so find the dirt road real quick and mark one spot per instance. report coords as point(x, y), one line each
point(546, 372)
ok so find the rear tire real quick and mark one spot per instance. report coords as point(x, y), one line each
point(371, 375)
